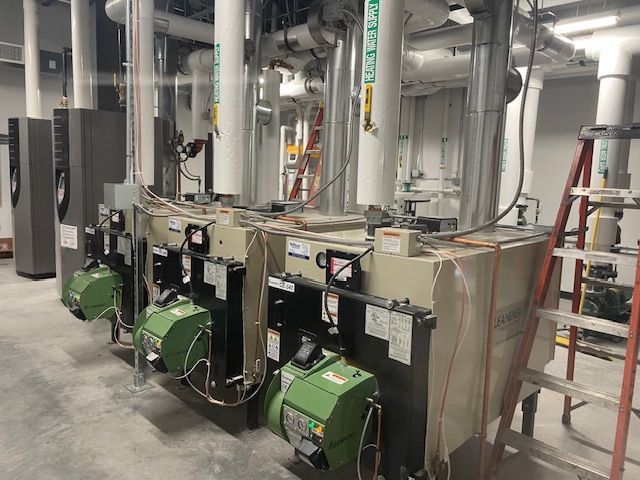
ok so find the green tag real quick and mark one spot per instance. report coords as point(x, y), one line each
point(602, 160)
point(216, 74)
point(505, 153)
point(371, 35)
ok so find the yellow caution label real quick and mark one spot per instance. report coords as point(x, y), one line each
point(215, 115)
point(368, 105)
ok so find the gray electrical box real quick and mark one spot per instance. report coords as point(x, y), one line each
point(31, 174)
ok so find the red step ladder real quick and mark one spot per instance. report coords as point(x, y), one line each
point(312, 150)
point(582, 467)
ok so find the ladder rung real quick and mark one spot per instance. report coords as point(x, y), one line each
point(314, 150)
point(584, 468)
point(570, 389)
point(605, 192)
point(606, 283)
point(584, 321)
point(596, 256)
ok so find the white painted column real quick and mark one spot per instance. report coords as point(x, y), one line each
point(145, 89)
point(32, 59)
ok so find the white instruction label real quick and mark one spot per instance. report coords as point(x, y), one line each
point(376, 322)
point(224, 218)
point(104, 211)
point(89, 230)
point(335, 378)
point(155, 291)
point(106, 243)
point(286, 379)
point(122, 245)
point(116, 218)
point(282, 284)
point(160, 251)
point(175, 225)
point(210, 273)
point(400, 333)
point(178, 312)
point(69, 236)
point(337, 264)
point(298, 249)
point(221, 281)
point(186, 264)
point(273, 345)
point(391, 242)
point(127, 253)
point(196, 237)
point(332, 303)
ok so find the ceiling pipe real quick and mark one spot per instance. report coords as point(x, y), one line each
point(83, 78)
point(380, 110)
point(228, 91)
point(166, 23)
point(425, 14)
point(32, 59)
point(486, 103)
point(297, 39)
point(511, 150)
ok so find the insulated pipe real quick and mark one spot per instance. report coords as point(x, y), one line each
point(268, 168)
point(283, 179)
point(228, 168)
point(380, 115)
point(167, 23)
point(32, 59)
point(296, 40)
point(144, 89)
point(485, 110)
point(511, 148)
point(83, 78)
point(425, 14)
point(252, 72)
point(302, 86)
point(200, 63)
point(337, 119)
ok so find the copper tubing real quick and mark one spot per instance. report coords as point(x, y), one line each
point(489, 350)
point(296, 220)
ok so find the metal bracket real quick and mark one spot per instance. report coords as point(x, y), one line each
point(610, 132)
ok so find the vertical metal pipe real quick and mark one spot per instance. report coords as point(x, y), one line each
point(83, 77)
point(252, 71)
point(486, 103)
point(130, 105)
point(337, 114)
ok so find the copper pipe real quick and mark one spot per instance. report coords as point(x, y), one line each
point(296, 220)
point(489, 350)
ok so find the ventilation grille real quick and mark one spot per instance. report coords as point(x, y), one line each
point(11, 53)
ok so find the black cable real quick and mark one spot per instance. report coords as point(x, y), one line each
point(186, 239)
point(113, 214)
point(327, 290)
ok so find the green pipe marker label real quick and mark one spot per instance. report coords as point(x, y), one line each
point(216, 74)
point(371, 50)
point(602, 159)
point(505, 153)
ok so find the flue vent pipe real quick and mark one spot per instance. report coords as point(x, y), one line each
point(32, 59)
point(166, 23)
point(228, 91)
point(511, 149)
point(380, 108)
point(145, 88)
point(268, 168)
point(425, 14)
point(200, 63)
point(486, 103)
point(83, 78)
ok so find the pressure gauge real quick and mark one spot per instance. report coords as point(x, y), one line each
point(321, 260)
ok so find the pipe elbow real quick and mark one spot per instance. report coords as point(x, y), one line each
point(116, 10)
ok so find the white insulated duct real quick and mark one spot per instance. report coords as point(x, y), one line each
point(381, 76)
point(145, 89)
point(269, 163)
point(167, 23)
point(32, 59)
point(511, 150)
point(228, 91)
point(200, 63)
point(83, 78)
point(425, 14)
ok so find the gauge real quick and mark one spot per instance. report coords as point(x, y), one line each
point(321, 259)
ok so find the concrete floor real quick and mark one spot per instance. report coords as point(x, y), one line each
point(65, 412)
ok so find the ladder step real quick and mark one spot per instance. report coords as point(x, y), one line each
point(584, 321)
point(584, 468)
point(596, 256)
point(571, 389)
point(605, 192)
point(606, 283)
